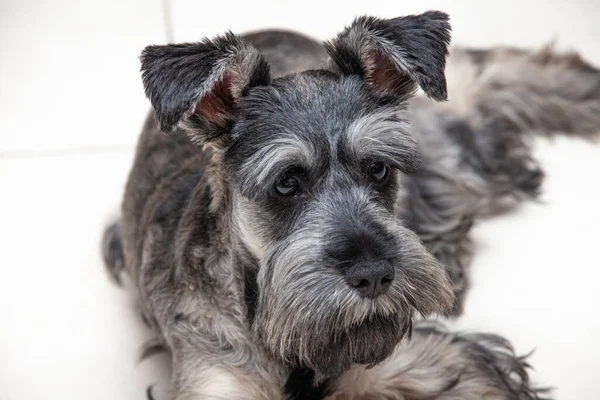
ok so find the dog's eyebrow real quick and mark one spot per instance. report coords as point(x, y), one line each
point(383, 136)
point(265, 165)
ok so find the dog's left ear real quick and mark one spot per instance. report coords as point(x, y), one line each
point(395, 55)
point(199, 86)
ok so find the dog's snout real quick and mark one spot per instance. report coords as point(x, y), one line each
point(370, 279)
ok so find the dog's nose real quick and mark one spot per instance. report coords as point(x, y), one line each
point(370, 279)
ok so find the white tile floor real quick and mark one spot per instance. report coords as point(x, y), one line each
point(71, 105)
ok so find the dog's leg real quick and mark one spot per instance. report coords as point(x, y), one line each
point(214, 382)
point(500, 98)
point(477, 147)
point(457, 184)
point(436, 364)
point(200, 374)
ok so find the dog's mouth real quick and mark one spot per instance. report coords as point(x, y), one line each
point(367, 343)
point(310, 318)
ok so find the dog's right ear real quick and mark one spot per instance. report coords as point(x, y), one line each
point(198, 86)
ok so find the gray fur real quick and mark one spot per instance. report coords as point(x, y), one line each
point(288, 52)
point(437, 364)
point(247, 289)
point(476, 148)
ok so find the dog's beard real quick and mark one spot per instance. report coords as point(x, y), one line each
point(368, 342)
point(329, 350)
point(308, 317)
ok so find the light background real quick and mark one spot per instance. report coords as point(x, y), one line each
point(71, 105)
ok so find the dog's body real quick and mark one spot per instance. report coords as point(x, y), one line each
point(295, 251)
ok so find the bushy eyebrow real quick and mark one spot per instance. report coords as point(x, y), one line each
point(266, 164)
point(383, 136)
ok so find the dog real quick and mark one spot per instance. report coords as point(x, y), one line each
point(295, 210)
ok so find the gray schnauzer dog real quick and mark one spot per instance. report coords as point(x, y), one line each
point(308, 207)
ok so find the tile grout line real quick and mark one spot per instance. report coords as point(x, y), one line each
point(167, 20)
point(18, 155)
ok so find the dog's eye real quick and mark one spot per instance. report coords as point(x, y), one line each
point(287, 186)
point(378, 171)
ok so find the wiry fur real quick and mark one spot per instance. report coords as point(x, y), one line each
point(476, 148)
point(247, 290)
point(437, 364)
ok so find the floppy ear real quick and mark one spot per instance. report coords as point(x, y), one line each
point(198, 86)
point(395, 55)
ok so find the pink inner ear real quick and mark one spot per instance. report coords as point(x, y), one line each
point(380, 72)
point(219, 104)
point(384, 77)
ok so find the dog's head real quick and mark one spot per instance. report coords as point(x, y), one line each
point(312, 166)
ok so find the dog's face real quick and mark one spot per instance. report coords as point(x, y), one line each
point(313, 166)
point(316, 164)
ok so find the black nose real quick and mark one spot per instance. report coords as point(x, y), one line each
point(370, 279)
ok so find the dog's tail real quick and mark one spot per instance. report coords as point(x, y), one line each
point(112, 251)
point(544, 92)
